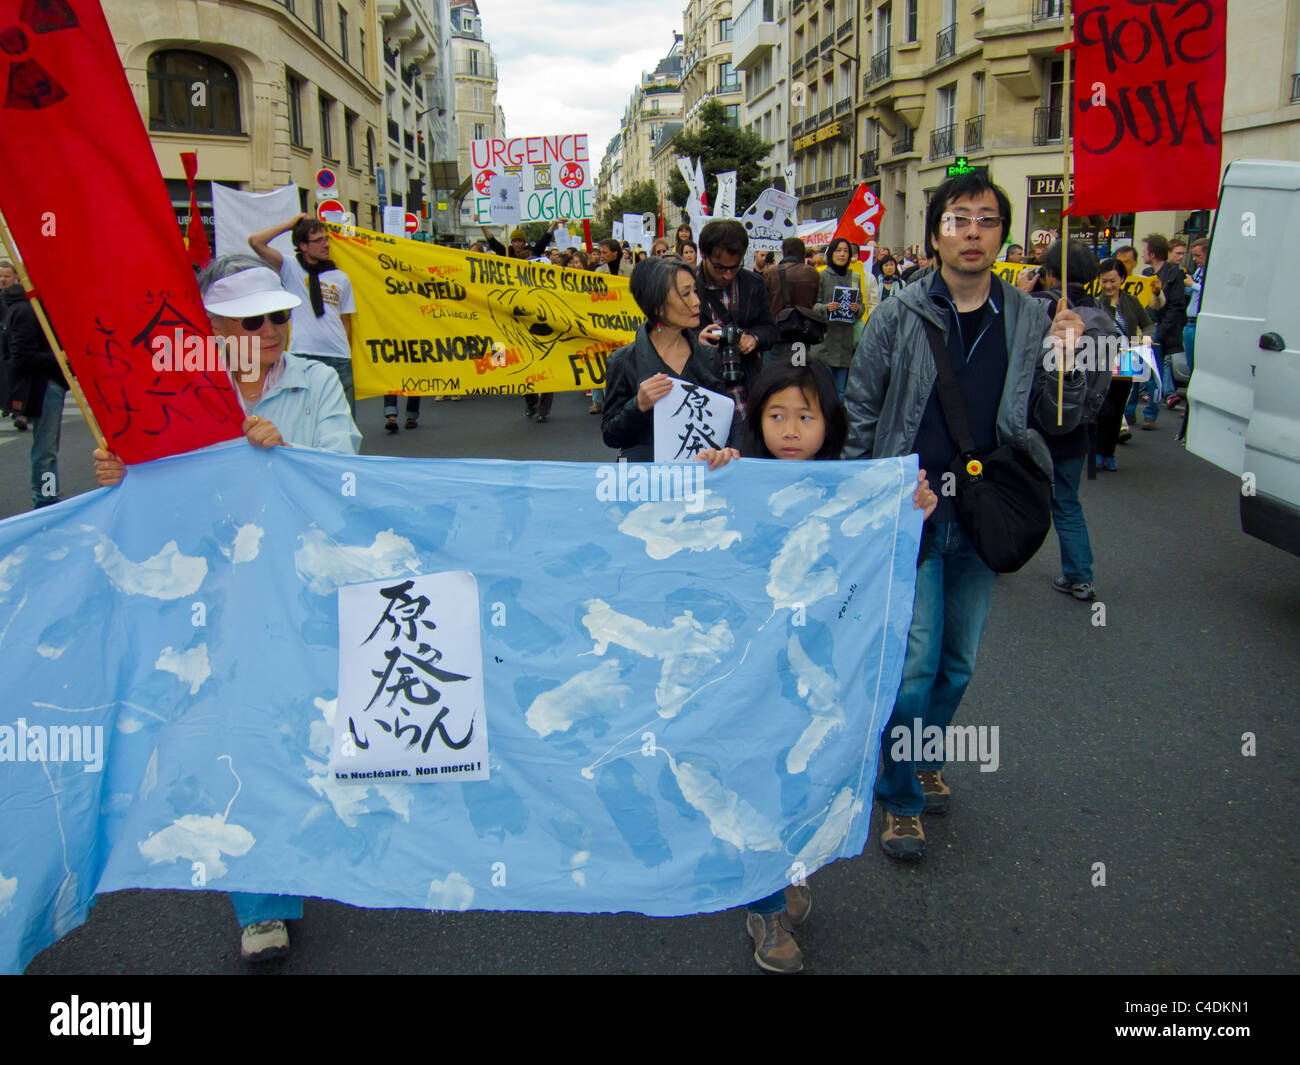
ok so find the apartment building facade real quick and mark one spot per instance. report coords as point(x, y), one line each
point(266, 91)
point(708, 70)
point(478, 113)
point(761, 52)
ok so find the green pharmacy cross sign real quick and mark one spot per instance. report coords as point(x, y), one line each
point(961, 167)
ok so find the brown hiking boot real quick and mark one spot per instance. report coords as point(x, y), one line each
point(774, 947)
point(937, 793)
point(903, 838)
point(798, 903)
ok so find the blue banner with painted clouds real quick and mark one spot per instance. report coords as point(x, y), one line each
point(684, 675)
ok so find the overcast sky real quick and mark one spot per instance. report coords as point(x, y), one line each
point(569, 66)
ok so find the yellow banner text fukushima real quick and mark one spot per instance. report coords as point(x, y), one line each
point(1134, 286)
point(436, 321)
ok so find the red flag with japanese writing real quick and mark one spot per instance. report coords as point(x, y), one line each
point(861, 220)
point(196, 237)
point(83, 197)
point(1148, 101)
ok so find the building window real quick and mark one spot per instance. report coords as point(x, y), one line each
point(193, 92)
point(320, 19)
point(343, 32)
point(295, 109)
point(473, 61)
point(480, 131)
point(728, 80)
point(909, 21)
point(361, 49)
point(478, 97)
point(724, 29)
point(350, 131)
point(370, 150)
point(326, 140)
point(733, 115)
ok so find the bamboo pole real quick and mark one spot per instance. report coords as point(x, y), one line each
point(1067, 116)
point(26, 281)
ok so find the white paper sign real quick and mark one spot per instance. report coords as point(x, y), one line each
point(616, 231)
point(726, 205)
point(633, 231)
point(410, 703)
point(562, 238)
point(789, 172)
point(689, 419)
point(770, 219)
point(505, 199)
point(554, 172)
point(395, 221)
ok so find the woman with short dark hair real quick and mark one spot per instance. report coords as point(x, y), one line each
point(639, 375)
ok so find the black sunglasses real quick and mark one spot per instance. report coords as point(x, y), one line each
point(254, 323)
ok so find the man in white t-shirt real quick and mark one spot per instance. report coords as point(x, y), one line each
point(320, 328)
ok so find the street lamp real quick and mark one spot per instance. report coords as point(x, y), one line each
point(853, 135)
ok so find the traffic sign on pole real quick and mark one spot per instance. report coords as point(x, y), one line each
point(412, 222)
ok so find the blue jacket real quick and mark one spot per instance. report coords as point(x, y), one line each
point(307, 405)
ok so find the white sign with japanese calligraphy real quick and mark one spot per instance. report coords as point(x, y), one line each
point(688, 420)
point(410, 701)
point(505, 199)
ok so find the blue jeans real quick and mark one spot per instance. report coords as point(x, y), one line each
point(1067, 516)
point(1149, 387)
point(953, 591)
point(250, 909)
point(412, 406)
point(840, 375)
point(1189, 343)
point(774, 903)
point(342, 367)
point(45, 446)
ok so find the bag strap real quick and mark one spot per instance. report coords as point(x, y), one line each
point(785, 295)
point(950, 401)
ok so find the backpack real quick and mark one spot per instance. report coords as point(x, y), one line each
point(798, 324)
point(1099, 327)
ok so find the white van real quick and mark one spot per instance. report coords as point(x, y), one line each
point(1245, 388)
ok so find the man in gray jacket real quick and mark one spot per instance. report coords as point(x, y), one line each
point(1001, 344)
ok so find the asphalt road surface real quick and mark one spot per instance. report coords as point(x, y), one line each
point(1120, 745)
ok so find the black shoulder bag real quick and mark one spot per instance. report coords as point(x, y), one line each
point(1004, 501)
point(797, 323)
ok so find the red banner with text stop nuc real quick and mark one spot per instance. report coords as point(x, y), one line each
point(85, 201)
point(1148, 101)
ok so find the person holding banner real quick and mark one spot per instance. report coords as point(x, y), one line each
point(836, 351)
point(1134, 324)
point(323, 329)
point(665, 347)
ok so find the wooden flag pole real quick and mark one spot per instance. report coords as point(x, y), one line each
point(1067, 117)
point(49, 335)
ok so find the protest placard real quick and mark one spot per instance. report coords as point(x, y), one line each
point(689, 419)
point(395, 221)
point(844, 295)
point(554, 173)
point(505, 199)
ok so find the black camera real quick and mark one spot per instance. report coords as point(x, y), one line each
point(729, 353)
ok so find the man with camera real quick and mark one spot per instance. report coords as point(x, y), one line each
point(733, 296)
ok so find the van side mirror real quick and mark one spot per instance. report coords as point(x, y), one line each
point(1272, 342)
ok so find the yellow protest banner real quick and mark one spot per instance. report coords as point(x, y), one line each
point(436, 321)
point(1134, 286)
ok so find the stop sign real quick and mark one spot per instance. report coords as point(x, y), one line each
point(326, 207)
point(412, 222)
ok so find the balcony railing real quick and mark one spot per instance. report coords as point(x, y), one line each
point(941, 142)
point(871, 163)
point(728, 85)
point(843, 30)
point(945, 43)
point(796, 129)
point(827, 41)
point(1044, 10)
point(825, 115)
point(905, 142)
point(1295, 88)
point(824, 185)
point(842, 181)
point(795, 5)
point(974, 133)
point(878, 71)
point(408, 140)
point(810, 57)
point(797, 66)
point(842, 106)
point(1047, 125)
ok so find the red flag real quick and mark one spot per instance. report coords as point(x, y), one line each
point(661, 214)
point(83, 197)
point(586, 233)
point(862, 217)
point(1148, 96)
point(196, 237)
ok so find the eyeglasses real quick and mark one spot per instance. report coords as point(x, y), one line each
point(958, 222)
point(322, 239)
point(254, 322)
point(718, 268)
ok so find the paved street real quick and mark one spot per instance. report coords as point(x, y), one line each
point(1119, 744)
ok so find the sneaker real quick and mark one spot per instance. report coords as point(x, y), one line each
point(1109, 464)
point(20, 423)
point(798, 903)
point(1173, 401)
point(595, 408)
point(390, 423)
point(774, 947)
point(411, 423)
point(1101, 463)
point(1148, 423)
point(1083, 591)
point(439, 399)
point(542, 418)
point(937, 793)
point(903, 838)
point(264, 940)
point(457, 399)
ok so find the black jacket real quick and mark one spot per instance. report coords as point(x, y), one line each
point(1171, 318)
point(623, 424)
point(752, 312)
point(497, 248)
point(30, 360)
